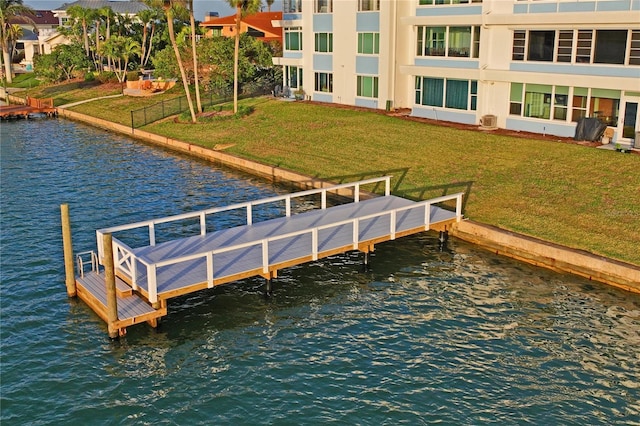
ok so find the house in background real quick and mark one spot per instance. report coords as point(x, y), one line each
point(125, 8)
point(34, 40)
point(524, 65)
point(258, 25)
point(47, 37)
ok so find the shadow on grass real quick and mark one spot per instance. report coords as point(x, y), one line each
point(426, 192)
point(398, 176)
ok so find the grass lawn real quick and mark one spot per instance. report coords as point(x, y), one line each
point(66, 93)
point(25, 81)
point(569, 194)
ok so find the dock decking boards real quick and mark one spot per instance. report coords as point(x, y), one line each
point(177, 278)
point(158, 272)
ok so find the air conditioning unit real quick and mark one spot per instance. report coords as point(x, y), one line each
point(489, 121)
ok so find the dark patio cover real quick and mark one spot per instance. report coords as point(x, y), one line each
point(589, 129)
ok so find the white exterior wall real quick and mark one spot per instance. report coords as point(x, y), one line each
point(494, 70)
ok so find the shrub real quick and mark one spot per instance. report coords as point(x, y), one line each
point(107, 77)
point(132, 76)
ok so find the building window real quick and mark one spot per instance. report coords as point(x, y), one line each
point(293, 76)
point(369, 43)
point(537, 101)
point(565, 46)
point(292, 6)
point(605, 105)
point(367, 86)
point(368, 5)
point(519, 43)
point(293, 38)
point(560, 102)
point(324, 82)
point(583, 49)
point(515, 99)
point(323, 6)
point(541, 99)
point(450, 93)
point(324, 42)
point(634, 49)
point(579, 103)
point(611, 46)
point(540, 47)
point(448, 41)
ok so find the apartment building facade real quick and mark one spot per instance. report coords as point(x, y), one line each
point(526, 65)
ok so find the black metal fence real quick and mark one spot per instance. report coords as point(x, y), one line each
point(168, 107)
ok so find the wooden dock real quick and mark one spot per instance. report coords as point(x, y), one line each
point(31, 107)
point(154, 272)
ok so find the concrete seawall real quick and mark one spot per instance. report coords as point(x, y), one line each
point(531, 250)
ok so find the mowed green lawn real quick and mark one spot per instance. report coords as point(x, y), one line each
point(569, 194)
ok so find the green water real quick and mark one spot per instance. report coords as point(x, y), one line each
point(428, 336)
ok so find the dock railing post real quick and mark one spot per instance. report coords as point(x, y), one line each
point(70, 276)
point(110, 280)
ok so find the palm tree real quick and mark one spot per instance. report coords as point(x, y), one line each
point(109, 15)
point(120, 49)
point(168, 6)
point(11, 10)
point(195, 55)
point(243, 8)
point(269, 3)
point(148, 18)
point(84, 16)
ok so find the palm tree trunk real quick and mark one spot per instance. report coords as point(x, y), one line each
point(146, 60)
point(85, 34)
point(235, 60)
point(144, 44)
point(6, 58)
point(195, 56)
point(185, 82)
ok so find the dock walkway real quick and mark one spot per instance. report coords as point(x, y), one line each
point(31, 107)
point(157, 272)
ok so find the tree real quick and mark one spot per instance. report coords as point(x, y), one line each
point(120, 49)
point(106, 14)
point(194, 55)
point(148, 18)
point(11, 10)
point(243, 8)
point(168, 6)
point(61, 63)
point(83, 16)
point(269, 3)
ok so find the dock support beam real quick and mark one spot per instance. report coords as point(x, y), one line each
point(365, 264)
point(443, 237)
point(110, 280)
point(70, 276)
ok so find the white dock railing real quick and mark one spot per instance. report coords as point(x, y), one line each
point(248, 206)
point(125, 260)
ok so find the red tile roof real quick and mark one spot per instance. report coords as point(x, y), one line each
point(40, 17)
point(260, 21)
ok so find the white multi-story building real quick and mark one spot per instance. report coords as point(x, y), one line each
point(533, 65)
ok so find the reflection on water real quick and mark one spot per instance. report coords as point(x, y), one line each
point(453, 336)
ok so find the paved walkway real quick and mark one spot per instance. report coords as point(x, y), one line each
point(89, 100)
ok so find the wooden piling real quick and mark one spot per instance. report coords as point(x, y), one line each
point(110, 280)
point(70, 276)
